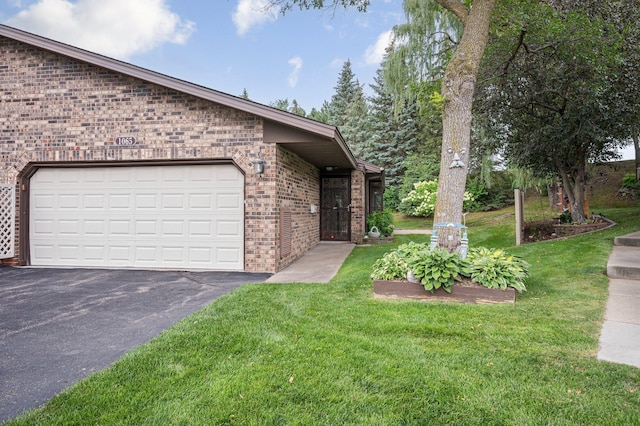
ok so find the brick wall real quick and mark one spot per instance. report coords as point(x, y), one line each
point(298, 187)
point(56, 109)
point(357, 206)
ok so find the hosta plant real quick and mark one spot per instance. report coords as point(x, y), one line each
point(439, 268)
point(394, 264)
point(494, 268)
point(390, 267)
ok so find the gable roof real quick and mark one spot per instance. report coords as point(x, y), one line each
point(319, 143)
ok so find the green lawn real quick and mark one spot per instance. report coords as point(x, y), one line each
point(330, 354)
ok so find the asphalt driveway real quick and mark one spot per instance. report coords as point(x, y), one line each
point(58, 326)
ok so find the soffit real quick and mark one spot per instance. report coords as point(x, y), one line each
point(321, 150)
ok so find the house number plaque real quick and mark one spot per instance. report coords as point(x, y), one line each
point(126, 140)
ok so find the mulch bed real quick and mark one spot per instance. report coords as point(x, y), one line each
point(551, 229)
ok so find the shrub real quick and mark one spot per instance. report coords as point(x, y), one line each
point(565, 218)
point(421, 201)
point(629, 180)
point(383, 220)
point(630, 187)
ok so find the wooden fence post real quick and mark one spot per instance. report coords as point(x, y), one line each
point(519, 198)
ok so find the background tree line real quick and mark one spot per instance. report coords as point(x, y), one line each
point(557, 88)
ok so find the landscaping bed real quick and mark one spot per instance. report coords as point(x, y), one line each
point(463, 291)
point(550, 229)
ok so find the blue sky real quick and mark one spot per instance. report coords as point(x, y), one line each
point(227, 45)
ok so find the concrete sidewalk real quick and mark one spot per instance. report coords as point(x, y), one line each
point(620, 336)
point(318, 265)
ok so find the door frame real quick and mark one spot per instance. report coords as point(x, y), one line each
point(348, 208)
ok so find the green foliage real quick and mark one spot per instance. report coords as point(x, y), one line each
point(630, 187)
point(629, 180)
point(383, 220)
point(438, 268)
point(390, 267)
point(421, 201)
point(348, 110)
point(391, 135)
point(494, 268)
point(391, 198)
point(284, 105)
point(478, 191)
point(394, 265)
point(565, 218)
point(546, 98)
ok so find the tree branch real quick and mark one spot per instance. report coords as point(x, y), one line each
point(457, 8)
point(515, 51)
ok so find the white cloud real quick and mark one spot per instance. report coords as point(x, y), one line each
point(336, 63)
point(116, 28)
point(250, 13)
point(374, 53)
point(297, 66)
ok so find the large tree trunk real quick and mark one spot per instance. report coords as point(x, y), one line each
point(573, 188)
point(458, 85)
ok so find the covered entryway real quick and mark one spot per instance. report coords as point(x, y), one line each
point(178, 217)
point(335, 216)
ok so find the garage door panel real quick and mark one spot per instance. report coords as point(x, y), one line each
point(69, 201)
point(69, 228)
point(228, 176)
point(43, 202)
point(154, 216)
point(229, 228)
point(43, 251)
point(120, 201)
point(228, 255)
point(43, 227)
point(120, 227)
point(67, 252)
point(95, 228)
point(94, 202)
point(202, 201)
point(229, 202)
point(173, 228)
point(146, 201)
point(121, 254)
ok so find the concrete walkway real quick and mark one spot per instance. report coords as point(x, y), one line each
point(318, 265)
point(620, 336)
point(412, 231)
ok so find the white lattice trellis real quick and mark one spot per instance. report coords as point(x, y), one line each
point(7, 220)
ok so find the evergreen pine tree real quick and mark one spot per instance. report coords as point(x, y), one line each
point(394, 136)
point(348, 110)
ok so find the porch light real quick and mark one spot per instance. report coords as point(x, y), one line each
point(258, 165)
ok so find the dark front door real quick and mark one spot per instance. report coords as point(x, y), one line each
point(335, 215)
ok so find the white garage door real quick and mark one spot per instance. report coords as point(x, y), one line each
point(179, 217)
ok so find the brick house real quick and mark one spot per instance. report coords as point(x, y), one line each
point(106, 164)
